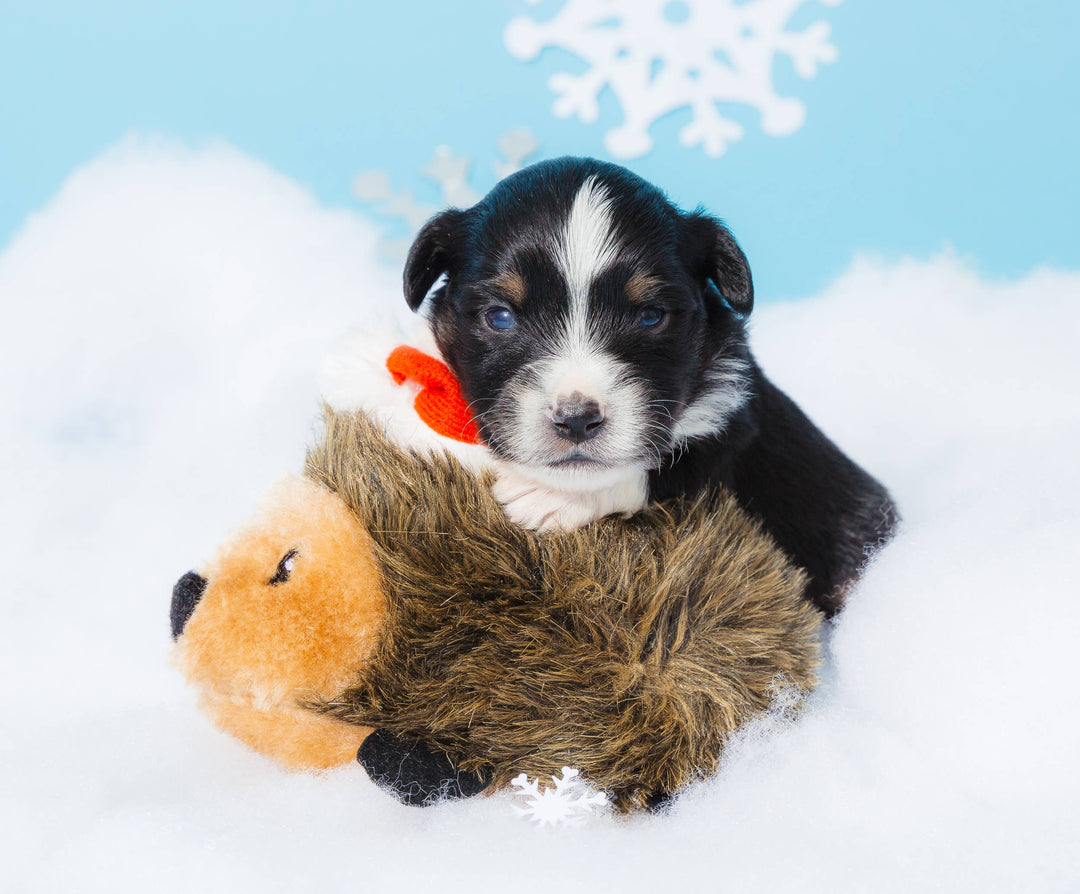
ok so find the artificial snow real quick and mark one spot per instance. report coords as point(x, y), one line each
point(164, 322)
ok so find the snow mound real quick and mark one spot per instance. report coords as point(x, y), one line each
point(164, 319)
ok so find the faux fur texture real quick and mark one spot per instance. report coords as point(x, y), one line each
point(630, 649)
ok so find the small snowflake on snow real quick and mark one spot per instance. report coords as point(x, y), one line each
point(564, 803)
point(661, 55)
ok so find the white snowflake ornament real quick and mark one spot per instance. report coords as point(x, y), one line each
point(451, 173)
point(657, 56)
point(567, 802)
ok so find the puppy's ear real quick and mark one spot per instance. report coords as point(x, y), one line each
point(435, 251)
point(712, 253)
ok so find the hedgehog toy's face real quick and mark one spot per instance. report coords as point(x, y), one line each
point(289, 608)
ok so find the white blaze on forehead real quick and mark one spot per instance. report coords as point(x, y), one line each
point(587, 245)
point(584, 249)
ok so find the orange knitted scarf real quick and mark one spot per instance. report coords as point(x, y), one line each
point(439, 402)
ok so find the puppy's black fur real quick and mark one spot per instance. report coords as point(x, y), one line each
point(610, 288)
point(823, 509)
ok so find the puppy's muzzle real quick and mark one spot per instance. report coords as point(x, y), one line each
point(577, 419)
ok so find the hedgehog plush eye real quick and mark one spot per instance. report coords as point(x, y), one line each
point(284, 568)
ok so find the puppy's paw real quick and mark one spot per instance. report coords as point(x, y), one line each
point(539, 508)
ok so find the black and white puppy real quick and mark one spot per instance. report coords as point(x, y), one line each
point(598, 333)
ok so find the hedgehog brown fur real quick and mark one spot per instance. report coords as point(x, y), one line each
point(630, 649)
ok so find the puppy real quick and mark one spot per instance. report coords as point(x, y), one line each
point(599, 335)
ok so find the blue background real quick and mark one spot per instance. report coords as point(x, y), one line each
point(941, 124)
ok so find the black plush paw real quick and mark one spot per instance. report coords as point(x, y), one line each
point(413, 773)
point(659, 801)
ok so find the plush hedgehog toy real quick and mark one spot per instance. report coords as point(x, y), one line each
point(383, 602)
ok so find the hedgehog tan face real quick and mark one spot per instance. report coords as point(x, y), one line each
point(593, 326)
point(286, 609)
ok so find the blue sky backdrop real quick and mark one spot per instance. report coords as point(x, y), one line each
point(940, 124)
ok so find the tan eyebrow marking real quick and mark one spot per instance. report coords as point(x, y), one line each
point(640, 286)
point(512, 285)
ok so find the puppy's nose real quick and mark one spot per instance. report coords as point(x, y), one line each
point(185, 596)
point(577, 419)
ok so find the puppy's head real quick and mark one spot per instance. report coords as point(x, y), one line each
point(592, 325)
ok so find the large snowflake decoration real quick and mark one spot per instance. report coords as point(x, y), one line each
point(566, 802)
point(451, 173)
point(657, 56)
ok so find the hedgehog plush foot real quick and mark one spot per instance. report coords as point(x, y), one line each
point(414, 774)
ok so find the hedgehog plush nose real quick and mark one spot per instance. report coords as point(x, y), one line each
point(577, 419)
point(185, 596)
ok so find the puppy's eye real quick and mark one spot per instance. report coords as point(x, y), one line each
point(501, 319)
point(650, 316)
point(284, 568)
